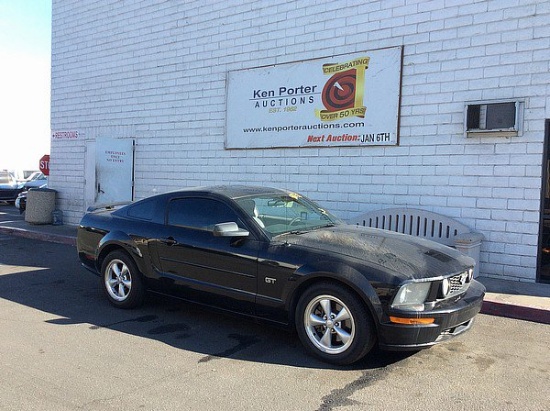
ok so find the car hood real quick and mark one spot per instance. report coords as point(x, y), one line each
point(403, 255)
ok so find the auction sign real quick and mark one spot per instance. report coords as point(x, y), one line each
point(347, 100)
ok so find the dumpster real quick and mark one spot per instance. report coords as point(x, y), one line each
point(40, 205)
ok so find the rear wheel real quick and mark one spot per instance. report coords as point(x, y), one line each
point(333, 324)
point(122, 281)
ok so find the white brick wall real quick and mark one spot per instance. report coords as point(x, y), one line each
point(156, 71)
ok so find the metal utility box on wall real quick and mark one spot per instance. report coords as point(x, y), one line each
point(494, 118)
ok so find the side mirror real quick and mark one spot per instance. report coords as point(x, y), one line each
point(229, 230)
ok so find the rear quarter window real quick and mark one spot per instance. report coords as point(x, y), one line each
point(143, 210)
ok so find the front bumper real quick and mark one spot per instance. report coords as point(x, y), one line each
point(452, 318)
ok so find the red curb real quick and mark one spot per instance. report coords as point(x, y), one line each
point(515, 311)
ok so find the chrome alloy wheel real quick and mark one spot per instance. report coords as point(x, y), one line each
point(118, 280)
point(329, 324)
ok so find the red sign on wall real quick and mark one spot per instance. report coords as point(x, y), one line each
point(44, 164)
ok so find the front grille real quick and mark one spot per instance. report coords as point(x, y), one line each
point(459, 283)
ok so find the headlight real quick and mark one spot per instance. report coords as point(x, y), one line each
point(411, 296)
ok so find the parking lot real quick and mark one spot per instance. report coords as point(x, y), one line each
point(63, 347)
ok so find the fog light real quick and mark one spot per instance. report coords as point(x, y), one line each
point(445, 287)
point(470, 275)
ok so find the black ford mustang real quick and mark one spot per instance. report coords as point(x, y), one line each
point(277, 256)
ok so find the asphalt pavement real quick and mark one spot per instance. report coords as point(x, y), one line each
point(512, 299)
point(63, 347)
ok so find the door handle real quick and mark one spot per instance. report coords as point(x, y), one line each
point(271, 263)
point(169, 241)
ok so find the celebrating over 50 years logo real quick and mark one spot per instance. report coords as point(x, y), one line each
point(342, 94)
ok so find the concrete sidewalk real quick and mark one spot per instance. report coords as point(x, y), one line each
point(513, 299)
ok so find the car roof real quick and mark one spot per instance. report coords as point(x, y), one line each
point(232, 191)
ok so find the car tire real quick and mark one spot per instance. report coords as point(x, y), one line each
point(334, 324)
point(121, 280)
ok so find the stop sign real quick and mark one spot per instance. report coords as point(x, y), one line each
point(44, 164)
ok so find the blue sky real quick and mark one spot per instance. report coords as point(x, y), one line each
point(25, 55)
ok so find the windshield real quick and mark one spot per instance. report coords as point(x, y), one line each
point(37, 175)
point(280, 213)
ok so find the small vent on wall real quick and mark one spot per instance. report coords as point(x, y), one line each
point(499, 119)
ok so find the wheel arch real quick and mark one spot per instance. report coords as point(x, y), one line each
point(347, 277)
point(115, 241)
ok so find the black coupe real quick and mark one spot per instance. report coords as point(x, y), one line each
point(274, 255)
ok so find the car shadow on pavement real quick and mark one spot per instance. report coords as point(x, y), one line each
point(73, 296)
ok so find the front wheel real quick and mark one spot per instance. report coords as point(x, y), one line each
point(333, 324)
point(122, 281)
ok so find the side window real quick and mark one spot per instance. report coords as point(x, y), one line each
point(199, 213)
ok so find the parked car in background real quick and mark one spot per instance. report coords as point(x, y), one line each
point(35, 180)
point(276, 256)
point(21, 200)
point(9, 187)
